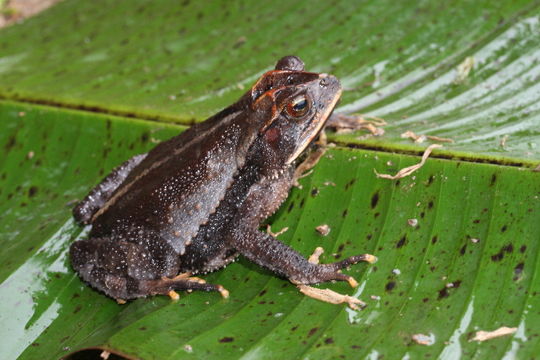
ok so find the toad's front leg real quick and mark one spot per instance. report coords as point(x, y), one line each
point(265, 250)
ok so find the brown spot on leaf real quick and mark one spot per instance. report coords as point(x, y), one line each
point(32, 191)
point(291, 206)
point(374, 200)
point(401, 242)
point(443, 293)
point(390, 286)
point(519, 268)
point(10, 143)
point(349, 184)
point(312, 331)
point(508, 248)
point(226, 339)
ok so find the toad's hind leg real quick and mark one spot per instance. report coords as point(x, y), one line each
point(102, 192)
point(168, 286)
point(125, 270)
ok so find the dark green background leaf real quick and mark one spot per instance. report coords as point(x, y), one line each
point(185, 60)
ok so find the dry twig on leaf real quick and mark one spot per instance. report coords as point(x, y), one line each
point(409, 170)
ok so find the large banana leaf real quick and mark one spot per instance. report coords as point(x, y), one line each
point(469, 264)
point(183, 61)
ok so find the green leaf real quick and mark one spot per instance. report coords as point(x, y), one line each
point(470, 264)
point(182, 61)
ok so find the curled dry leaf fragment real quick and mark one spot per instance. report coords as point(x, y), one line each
point(503, 141)
point(422, 339)
point(464, 69)
point(487, 335)
point(342, 123)
point(421, 138)
point(411, 135)
point(409, 170)
point(331, 297)
point(440, 139)
point(275, 234)
point(314, 258)
point(323, 229)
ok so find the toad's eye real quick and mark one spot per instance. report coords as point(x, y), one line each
point(298, 107)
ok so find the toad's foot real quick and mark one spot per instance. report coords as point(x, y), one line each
point(182, 282)
point(187, 276)
point(332, 271)
point(331, 297)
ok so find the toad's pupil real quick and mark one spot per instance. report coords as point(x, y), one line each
point(300, 105)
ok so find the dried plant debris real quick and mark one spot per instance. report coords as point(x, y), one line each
point(331, 296)
point(275, 234)
point(503, 141)
point(13, 11)
point(464, 69)
point(409, 170)
point(488, 335)
point(314, 258)
point(342, 124)
point(421, 138)
point(323, 229)
point(423, 339)
point(412, 222)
